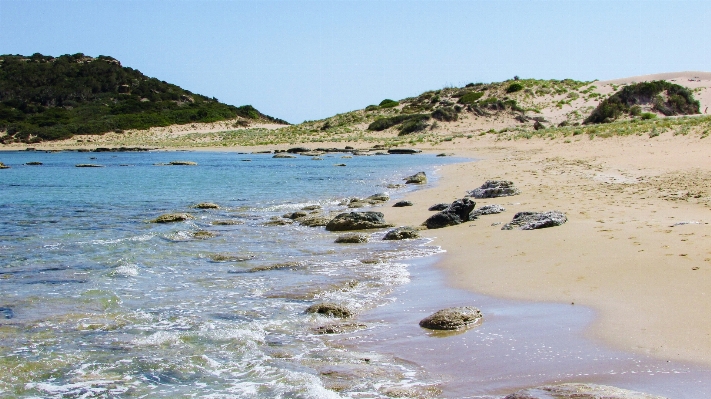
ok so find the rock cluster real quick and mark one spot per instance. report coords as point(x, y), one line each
point(486, 210)
point(457, 212)
point(452, 318)
point(535, 220)
point(357, 221)
point(494, 188)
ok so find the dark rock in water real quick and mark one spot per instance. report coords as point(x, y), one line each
point(172, 217)
point(400, 204)
point(275, 221)
point(536, 220)
point(357, 221)
point(330, 309)
point(417, 178)
point(403, 151)
point(182, 163)
point(314, 221)
point(6, 313)
point(494, 188)
point(380, 197)
point(226, 222)
point(35, 163)
point(275, 266)
point(457, 212)
point(296, 215)
point(88, 165)
point(311, 207)
point(579, 391)
point(352, 239)
point(3, 166)
point(438, 207)
point(339, 328)
point(486, 210)
point(452, 318)
point(297, 150)
point(401, 233)
point(203, 234)
point(443, 155)
point(226, 257)
point(281, 155)
point(340, 164)
point(206, 205)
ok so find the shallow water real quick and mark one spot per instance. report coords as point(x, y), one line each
point(105, 304)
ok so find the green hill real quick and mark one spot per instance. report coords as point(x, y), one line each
point(48, 98)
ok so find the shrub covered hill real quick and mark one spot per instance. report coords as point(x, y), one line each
point(50, 98)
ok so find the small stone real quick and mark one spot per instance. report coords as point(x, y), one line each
point(282, 155)
point(227, 257)
point(402, 233)
point(311, 207)
point(452, 318)
point(352, 239)
point(401, 204)
point(226, 222)
point(486, 210)
point(203, 234)
point(330, 309)
point(380, 197)
point(206, 205)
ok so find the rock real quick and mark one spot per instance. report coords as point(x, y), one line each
point(494, 188)
point(457, 212)
point(538, 125)
point(34, 163)
point(295, 215)
point(452, 318)
point(536, 220)
point(401, 204)
point(443, 155)
point(417, 178)
point(356, 203)
point(486, 210)
point(346, 157)
point(3, 166)
point(314, 221)
point(579, 391)
point(403, 151)
point(438, 207)
point(88, 165)
point(311, 153)
point(226, 257)
point(297, 150)
point(357, 221)
point(6, 313)
point(311, 207)
point(226, 222)
point(339, 164)
point(330, 309)
point(402, 233)
point(352, 239)
point(203, 234)
point(380, 197)
point(275, 266)
point(391, 185)
point(339, 328)
point(317, 159)
point(206, 205)
point(275, 221)
point(282, 155)
point(182, 163)
point(172, 217)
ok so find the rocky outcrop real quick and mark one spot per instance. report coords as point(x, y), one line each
point(172, 218)
point(438, 207)
point(206, 205)
point(330, 309)
point(457, 212)
point(494, 188)
point(402, 233)
point(536, 220)
point(182, 163)
point(401, 204)
point(357, 221)
point(352, 239)
point(417, 178)
point(452, 318)
point(486, 210)
point(579, 391)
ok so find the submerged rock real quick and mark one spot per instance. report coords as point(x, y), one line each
point(35, 163)
point(486, 210)
point(295, 215)
point(417, 178)
point(206, 205)
point(330, 309)
point(380, 197)
point(275, 266)
point(182, 163)
point(438, 207)
point(339, 328)
point(314, 221)
point(282, 155)
point(311, 207)
point(3, 166)
point(402, 233)
point(579, 391)
point(6, 313)
point(535, 220)
point(352, 239)
point(227, 257)
point(357, 221)
point(226, 222)
point(401, 204)
point(452, 318)
point(457, 212)
point(172, 217)
point(494, 188)
point(203, 234)
point(88, 165)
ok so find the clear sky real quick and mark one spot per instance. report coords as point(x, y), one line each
point(302, 60)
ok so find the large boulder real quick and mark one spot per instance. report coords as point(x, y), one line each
point(486, 210)
point(494, 188)
point(172, 218)
point(452, 318)
point(579, 391)
point(357, 221)
point(457, 212)
point(417, 178)
point(402, 233)
point(330, 309)
point(535, 220)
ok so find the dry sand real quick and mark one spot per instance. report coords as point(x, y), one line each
point(620, 252)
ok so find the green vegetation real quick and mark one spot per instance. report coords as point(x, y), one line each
point(445, 114)
point(414, 124)
point(471, 97)
point(48, 98)
point(666, 98)
point(514, 87)
point(386, 123)
point(388, 103)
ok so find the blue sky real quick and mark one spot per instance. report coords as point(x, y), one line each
point(302, 60)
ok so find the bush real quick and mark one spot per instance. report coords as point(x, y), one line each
point(514, 87)
point(388, 103)
point(471, 97)
point(413, 125)
point(648, 115)
point(636, 110)
point(386, 123)
point(445, 114)
point(371, 108)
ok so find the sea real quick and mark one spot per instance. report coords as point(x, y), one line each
point(96, 301)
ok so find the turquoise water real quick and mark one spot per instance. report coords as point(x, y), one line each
point(101, 303)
